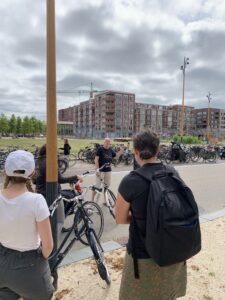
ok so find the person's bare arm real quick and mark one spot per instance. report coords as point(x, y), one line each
point(119, 153)
point(122, 210)
point(45, 232)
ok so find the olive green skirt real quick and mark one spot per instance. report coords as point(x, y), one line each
point(155, 283)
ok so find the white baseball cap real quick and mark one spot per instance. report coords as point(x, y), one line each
point(19, 163)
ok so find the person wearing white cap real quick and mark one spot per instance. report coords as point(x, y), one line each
point(25, 234)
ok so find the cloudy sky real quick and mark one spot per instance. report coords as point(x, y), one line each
point(136, 46)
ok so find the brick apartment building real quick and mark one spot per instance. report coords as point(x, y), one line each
point(162, 119)
point(115, 114)
point(216, 121)
point(110, 113)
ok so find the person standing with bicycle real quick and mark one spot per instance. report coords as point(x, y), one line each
point(25, 234)
point(40, 181)
point(66, 147)
point(105, 155)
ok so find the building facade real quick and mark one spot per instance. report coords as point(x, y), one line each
point(116, 114)
point(212, 119)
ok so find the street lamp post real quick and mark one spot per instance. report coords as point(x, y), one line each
point(208, 118)
point(183, 68)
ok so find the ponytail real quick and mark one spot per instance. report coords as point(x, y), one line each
point(29, 185)
point(26, 181)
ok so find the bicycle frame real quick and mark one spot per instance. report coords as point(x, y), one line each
point(58, 256)
point(104, 191)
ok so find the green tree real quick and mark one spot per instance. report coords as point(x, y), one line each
point(32, 125)
point(4, 124)
point(19, 128)
point(12, 124)
point(26, 125)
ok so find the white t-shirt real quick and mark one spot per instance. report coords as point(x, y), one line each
point(18, 220)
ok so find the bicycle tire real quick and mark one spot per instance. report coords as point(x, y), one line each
point(63, 165)
point(72, 160)
point(81, 154)
point(98, 256)
point(211, 157)
point(111, 198)
point(194, 156)
point(168, 158)
point(130, 159)
point(95, 215)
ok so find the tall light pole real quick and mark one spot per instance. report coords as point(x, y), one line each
point(183, 68)
point(209, 117)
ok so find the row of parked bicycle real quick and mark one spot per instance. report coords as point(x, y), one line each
point(87, 154)
point(178, 152)
point(168, 154)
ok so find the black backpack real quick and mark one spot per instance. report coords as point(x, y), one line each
point(172, 222)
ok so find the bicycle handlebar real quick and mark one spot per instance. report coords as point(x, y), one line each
point(104, 166)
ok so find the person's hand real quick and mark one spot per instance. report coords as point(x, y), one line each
point(97, 173)
point(80, 178)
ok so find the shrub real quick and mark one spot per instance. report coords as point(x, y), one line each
point(187, 139)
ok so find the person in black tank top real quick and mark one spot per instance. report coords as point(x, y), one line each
point(158, 283)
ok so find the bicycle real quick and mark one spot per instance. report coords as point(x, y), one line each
point(81, 226)
point(110, 198)
point(70, 208)
point(71, 159)
point(177, 152)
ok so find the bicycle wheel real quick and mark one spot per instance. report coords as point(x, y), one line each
point(81, 154)
point(99, 256)
point(211, 156)
point(111, 197)
point(72, 160)
point(130, 159)
point(194, 156)
point(95, 220)
point(168, 158)
point(63, 165)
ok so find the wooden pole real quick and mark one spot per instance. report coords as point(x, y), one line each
point(51, 160)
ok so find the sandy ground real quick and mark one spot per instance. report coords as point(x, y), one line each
point(206, 272)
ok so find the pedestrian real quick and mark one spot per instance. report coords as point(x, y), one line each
point(66, 147)
point(40, 181)
point(105, 154)
point(154, 282)
point(40, 176)
point(25, 234)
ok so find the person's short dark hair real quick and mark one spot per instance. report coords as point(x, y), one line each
point(147, 143)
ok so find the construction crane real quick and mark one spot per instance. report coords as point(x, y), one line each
point(91, 91)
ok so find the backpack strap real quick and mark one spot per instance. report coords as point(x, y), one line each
point(134, 252)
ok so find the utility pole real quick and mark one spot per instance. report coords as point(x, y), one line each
point(51, 147)
point(209, 117)
point(183, 68)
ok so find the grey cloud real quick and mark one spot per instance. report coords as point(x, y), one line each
point(27, 63)
point(86, 22)
point(34, 46)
